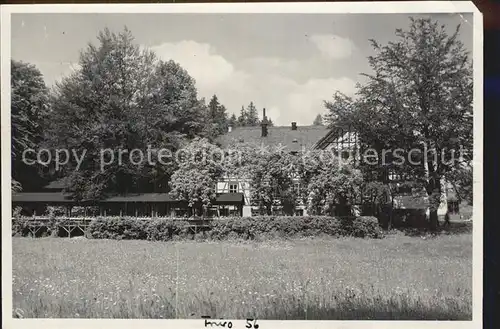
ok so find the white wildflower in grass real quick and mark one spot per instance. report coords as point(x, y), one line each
point(140, 279)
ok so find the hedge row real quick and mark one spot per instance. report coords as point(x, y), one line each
point(247, 228)
point(129, 228)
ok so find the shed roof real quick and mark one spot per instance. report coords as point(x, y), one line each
point(50, 197)
point(229, 198)
point(58, 197)
point(143, 197)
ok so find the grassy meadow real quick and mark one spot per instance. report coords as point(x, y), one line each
point(316, 279)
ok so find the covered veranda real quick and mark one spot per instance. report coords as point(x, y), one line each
point(143, 205)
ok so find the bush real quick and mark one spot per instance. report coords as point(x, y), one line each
point(117, 228)
point(164, 229)
point(296, 226)
point(245, 228)
point(19, 222)
point(56, 211)
point(367, 227)
point(78, 211)
point(57, 216)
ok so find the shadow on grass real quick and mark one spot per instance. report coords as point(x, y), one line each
point(455, 227)
point(368, 313)
point(399, 307)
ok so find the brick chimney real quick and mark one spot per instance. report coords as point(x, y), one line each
point(264, 123)
point(294, 125)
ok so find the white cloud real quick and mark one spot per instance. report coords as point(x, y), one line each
point(54, 71)
point(290, 90)
point(273, 64)
point(199, 59)
point(306, 100)
point(267, 81)
point(333, 46)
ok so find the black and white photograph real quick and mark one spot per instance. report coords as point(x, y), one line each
point(232, 164)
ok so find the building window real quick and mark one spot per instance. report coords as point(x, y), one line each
point(224, 212)
point(233, 188)
point(392, 176)
point(395, 177)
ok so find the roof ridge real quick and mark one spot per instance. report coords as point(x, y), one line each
point(287, 127)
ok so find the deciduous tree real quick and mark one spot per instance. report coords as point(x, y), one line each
point(419, 96)
point(333, 186)
point(122, 98)
point(195, 181)
point(272, 182)
point(29, 106)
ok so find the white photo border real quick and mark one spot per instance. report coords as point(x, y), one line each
point(410, 7)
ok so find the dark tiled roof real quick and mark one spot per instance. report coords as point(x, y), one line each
point(306, 136)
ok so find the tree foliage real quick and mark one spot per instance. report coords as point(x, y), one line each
point(419, 95)
point(29, 99)
point(249, 117)
point(461, 180)
point(252, 117)
point(271, 175)
point(195, 181)
point(240, 159)
point(242, 118)
point(217, 121)
point(272, 182)
point(122, 97)
point(233, 121)
point(318, 121)
point(333, 186)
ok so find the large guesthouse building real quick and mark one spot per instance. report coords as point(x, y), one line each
point(233, 194)
point(292, 138)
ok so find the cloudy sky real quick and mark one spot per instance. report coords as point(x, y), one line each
point(287, 63)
